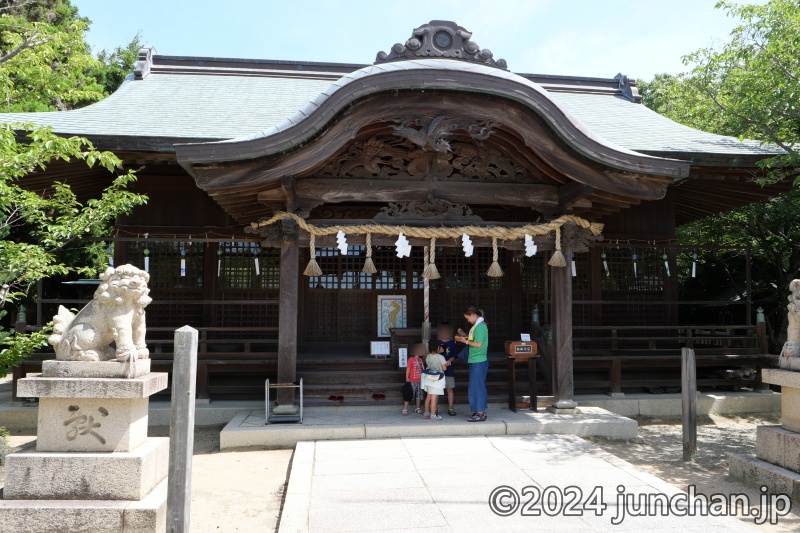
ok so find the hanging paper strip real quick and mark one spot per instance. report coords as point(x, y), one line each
point(605, 264)
point(530, 246)
point(574, 269)
point(341, 242)
point(403, 246)
point(183, 263)
point(635, 273)
point(258, 266)
point(219, 261)
point(466, 244)
point(146, 260)
point(110, 256)
point(666, 263)
point(694, 265)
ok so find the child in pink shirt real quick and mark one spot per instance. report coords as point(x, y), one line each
point(414, 370)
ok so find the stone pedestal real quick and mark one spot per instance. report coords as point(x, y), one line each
point(94, 468)
point(777, 460)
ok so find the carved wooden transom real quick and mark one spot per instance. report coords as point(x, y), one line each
point(432, 208)
point(386, 157)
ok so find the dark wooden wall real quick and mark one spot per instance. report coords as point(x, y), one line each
point(654, 218)
point(174, 201)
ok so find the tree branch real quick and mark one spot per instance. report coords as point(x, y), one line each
point(29, 42)
point(763, 126)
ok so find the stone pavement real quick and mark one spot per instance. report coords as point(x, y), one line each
point(441, 484)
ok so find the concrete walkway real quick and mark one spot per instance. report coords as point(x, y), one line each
point(440, 484)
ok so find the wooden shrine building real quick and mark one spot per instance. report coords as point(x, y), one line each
point(250, 164)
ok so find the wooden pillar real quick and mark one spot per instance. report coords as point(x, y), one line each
point(287, 319)
point(562, 335)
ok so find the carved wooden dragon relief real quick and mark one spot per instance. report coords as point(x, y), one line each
point(386, 157)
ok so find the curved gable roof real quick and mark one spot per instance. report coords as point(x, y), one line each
point(428, 74)
point(196, 99)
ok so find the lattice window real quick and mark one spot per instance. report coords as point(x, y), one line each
point(236, 266)
point(170, 308)
point(581, 287)
point(165, 263)
point(457, 271)
point(418, 267)
point(351, 276)
point(532, 272)
point(651, 274)
point(328, 261)
point(391, 275)
point(461, 272)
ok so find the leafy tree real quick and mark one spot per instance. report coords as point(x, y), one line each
point(46, 65)
point(117, 64)
point(37, 227)
point(53, 67)
point(748, 87)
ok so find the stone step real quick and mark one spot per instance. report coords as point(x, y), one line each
point(391, 376)
point(130, 475)
point(756, 473)
point(778, 446)
point(147, 515)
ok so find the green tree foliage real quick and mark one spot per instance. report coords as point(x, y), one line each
point(38, 227)
point(754, 78)
point(46, 65)
point(53, 67)
point(117, 64)
point(747, 87)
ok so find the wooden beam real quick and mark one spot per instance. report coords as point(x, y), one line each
point(334, 191)
point(571, 193)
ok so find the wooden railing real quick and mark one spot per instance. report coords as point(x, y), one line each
point(244, 349)
point(733, 354)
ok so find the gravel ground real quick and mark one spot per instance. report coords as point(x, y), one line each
point(659, 451)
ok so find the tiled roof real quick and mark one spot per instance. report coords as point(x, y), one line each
point(206, 99)
point(189, 106)
point(639, 128)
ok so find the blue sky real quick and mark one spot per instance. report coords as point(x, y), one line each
point(574, 37)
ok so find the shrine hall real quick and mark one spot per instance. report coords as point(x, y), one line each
point(313, 219)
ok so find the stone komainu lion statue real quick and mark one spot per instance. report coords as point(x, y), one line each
point(790, 355)
point(115, 315)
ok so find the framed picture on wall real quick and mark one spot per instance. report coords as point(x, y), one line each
point(391, 313)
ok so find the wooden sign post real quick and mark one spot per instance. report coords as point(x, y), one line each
point(181, 430)
point(689, 404)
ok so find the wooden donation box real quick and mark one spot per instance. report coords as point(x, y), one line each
point(520, 352)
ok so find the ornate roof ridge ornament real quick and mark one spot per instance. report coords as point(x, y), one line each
point(143, 62)
point(628, 87)
point(445, 39)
